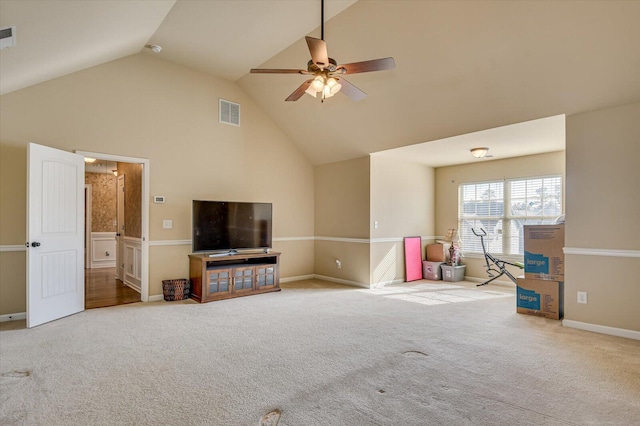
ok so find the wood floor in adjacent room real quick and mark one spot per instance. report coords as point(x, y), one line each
point(102, 289)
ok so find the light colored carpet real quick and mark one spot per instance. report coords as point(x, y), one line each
point(321, 354)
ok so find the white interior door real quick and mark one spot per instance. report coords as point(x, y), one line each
point(55, 232)
point(120, 229)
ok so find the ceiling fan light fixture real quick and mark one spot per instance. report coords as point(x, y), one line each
point(311, 91)
point(479, 152)
point(318, 83)
point(333, 85)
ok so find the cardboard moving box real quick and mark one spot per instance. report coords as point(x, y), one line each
point(543, 255)
point(438, 252)
point(540, 297)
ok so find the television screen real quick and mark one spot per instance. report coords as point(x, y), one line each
point(230, 225)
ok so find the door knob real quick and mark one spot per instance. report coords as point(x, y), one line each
point(35, 244)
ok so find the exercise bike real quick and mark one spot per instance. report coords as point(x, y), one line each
point(493, 264)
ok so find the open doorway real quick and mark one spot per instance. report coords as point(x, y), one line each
point(116, 213)
point(112, 246)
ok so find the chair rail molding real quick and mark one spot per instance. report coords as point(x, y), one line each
point(12, 247)
point(601, 252)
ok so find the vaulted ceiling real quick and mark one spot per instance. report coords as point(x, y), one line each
point(461, 66)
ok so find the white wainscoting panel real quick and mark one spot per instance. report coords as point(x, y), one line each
point(133, 262)
point(103, 250)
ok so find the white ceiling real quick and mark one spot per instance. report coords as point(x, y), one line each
point(56, 37)
point(101, 166)
point(228, 38)
point(515, 140)
point(462, 67)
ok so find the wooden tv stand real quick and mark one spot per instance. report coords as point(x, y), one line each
point(233, 275)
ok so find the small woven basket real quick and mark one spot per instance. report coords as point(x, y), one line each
point(175, 289)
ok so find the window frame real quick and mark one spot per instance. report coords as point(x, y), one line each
point(506, 218)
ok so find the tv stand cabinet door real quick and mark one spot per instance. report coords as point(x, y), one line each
point(267, 277)
point(218, 284)
point(243, 280)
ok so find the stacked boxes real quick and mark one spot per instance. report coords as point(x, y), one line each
point(543, 256)
point(438, 252)
point(541, 291)
point(540, 297)
point(431, 270)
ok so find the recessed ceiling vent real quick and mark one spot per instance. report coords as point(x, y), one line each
point(7, 37)
point(229, 112)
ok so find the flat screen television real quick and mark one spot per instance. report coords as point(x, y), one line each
point(229, 226)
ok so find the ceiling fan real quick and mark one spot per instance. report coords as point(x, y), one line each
point(327, 74)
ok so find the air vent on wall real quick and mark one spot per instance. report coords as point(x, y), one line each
point(229, 112)
point(7, 37)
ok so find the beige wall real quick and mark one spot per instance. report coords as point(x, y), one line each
point(449, 178)
point(342, 215)
point(403, 205)
point(342, 199)
point(13, 294)
point(147, 108)
point(354, 259)
point(603, 212)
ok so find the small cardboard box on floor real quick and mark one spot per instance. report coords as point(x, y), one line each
point(543, 255)
point(540, 297)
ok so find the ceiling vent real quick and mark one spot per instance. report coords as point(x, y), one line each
point(7, 37)
point(229, 112)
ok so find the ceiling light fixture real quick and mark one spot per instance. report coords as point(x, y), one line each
point(326, 86)
point(154, 48)
point(480, 152)
point(89, 160)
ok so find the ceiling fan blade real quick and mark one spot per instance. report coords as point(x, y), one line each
point(318, 50)
point(367, 66)
point(297, 94)
point(277, 71)
point(350, 90)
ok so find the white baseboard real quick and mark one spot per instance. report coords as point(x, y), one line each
point(298, 278)
point(13, 317)
point(99, 265)
point(133, 286)
point(602, 329)
point(341, 281)
point(156, 298)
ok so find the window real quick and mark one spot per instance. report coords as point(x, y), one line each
point(501, 208)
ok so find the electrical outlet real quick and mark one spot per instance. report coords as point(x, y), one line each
point(167, 224)
point(582, 297)
point(375, 224)
point(338, 264)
